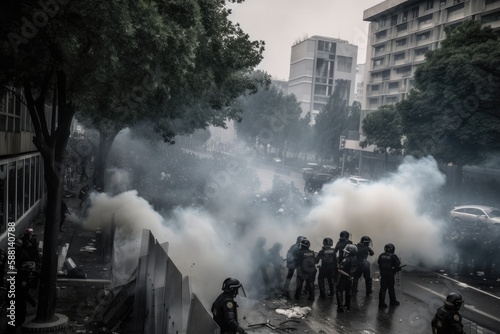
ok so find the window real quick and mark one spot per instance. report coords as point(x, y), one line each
point(381, 34)
point(404, 71)
point(382, 22)
point(425, 20)
point(320, 90)
point(456, 8)
point(490, 18)
point(489, 2)
point(392, 99)
point(378, 62)
point(394, 20)
point(442, 3)
point(373, 101)
point(344, 64)
point(405, 16)
point(421, 51)
point(324, 68)
point(10, 112)
point(429, 4)
point(326, 46)
point(423, 36)
point(375, 88)
point(399, 56)
point(402, 27)
point(386, 75)
point(393, 85)
point(414, 12)
point(401, 42)
point(380, 48)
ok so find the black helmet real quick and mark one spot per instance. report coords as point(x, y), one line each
point(344, 235)
point(453, 301)
point(366, 240)
point(351, 249)
point(327, 242)
point(305, 244)
point(300, 238)
point(389, 248)
point(231, 285)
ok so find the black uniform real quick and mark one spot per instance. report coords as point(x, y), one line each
point(327, 270)
point(389, 264)
point(339, 247)
point(447, 321)
point(275, 259)
point(348, 265)
point(225, 313)
point(306, 272)
point(363, 268)
point(290, 264)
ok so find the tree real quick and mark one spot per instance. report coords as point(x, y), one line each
point(382, 128)
point(268, 116)
point(354, 116)
point(107, 57)
point(331, 123)
point(453, 113)
point(182, 88)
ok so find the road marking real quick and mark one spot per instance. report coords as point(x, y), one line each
point(468, 286)
point(470, 308)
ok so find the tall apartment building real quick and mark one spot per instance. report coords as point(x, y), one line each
point(21, 167)
point(402, 31)
point(360, 83)
point(315, 65)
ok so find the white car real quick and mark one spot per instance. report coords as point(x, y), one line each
point(357, 180)
point(472, 214)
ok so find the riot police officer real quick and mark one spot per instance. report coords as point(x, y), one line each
point(364, 251)
point(305, 262)
point(340, 246)
point(447, 320)
point(389, 264)
point(224, 309)
point(347, 269)
point(290, 263)
point(328, 267)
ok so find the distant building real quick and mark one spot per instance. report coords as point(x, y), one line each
point(281, 85)
point(315, 65)
point(359, 83)
point(400, 34)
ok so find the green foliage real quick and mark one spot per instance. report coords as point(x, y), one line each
point(454, 112)
point(269, 116)
point(354, 116)
point(331, 123)
point(382, 128)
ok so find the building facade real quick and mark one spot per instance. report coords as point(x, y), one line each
point(21, 167)
point(401, 32)
point(316, 64)
point(360, 83)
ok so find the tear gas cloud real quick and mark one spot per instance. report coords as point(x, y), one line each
point(208, 244)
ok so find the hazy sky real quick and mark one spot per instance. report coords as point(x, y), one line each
point(281, 22)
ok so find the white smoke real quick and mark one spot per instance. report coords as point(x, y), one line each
point(209, 247)
point(387, 211)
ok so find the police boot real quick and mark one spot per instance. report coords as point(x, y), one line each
point(369, 286)
point(381, 301)
point(355, 286)
point(340, 309)
point(347, 305)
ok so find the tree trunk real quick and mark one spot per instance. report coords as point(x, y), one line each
point(105, 143)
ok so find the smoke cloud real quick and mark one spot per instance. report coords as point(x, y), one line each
point(208, 243)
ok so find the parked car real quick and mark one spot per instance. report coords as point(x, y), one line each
point(473, 214)
point(310, 169)
point(332, 170)
point(358, 180)
point(316, 182)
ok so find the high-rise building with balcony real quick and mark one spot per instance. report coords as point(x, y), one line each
point(400, 34)
point(316, 64)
